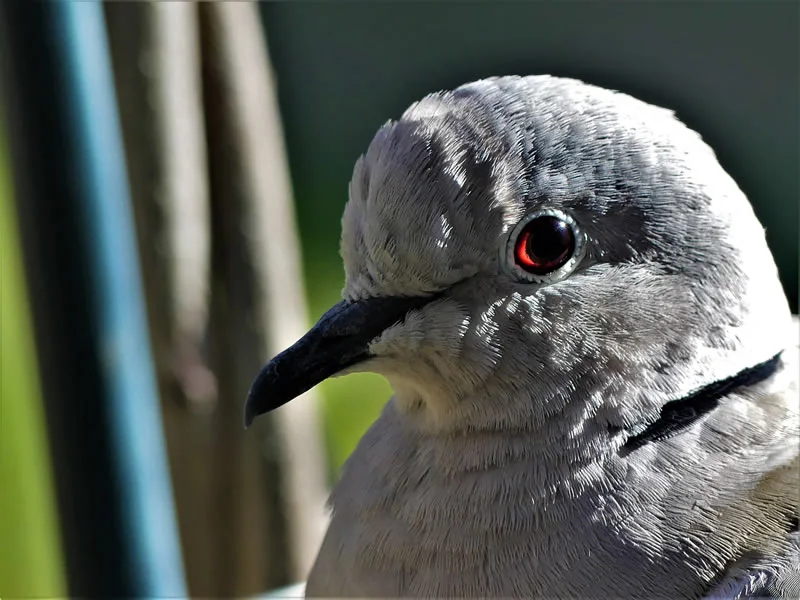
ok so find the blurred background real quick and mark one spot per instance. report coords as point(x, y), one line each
point(172, 177)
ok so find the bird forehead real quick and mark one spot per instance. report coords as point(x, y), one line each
point(424, 210)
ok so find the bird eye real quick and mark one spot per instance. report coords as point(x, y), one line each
point(545, 246)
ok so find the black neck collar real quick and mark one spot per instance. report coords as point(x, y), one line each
point(678, 415)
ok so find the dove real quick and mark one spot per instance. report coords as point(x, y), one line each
point(593, 361)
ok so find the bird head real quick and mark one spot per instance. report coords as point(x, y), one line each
point(520, 251)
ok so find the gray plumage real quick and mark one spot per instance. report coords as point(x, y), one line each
point(498, 468)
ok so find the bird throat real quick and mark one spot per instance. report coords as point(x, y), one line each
point(678, 415)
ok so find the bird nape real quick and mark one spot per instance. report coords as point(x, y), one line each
point(593, 361)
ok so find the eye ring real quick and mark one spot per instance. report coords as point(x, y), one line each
point(523, 268)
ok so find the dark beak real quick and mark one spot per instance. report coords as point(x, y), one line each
point(340, 339)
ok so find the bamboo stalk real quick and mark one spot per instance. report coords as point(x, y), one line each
point(183, 191)
point(269, 229)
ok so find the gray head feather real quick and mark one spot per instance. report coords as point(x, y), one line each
point(677, 286)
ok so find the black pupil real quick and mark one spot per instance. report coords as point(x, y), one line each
point(550, 243)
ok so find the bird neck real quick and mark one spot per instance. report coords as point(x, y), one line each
point(403, 454)
point(475, 504)
point(460, 499)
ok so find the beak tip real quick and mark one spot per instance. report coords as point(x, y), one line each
point(260, 389)
point(250, 411)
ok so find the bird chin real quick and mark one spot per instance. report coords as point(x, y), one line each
point(365, 366)
point(420, 389)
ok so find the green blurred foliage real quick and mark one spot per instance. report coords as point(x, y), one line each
point(30, 551)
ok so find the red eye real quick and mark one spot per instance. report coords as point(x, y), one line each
point(544, 244)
